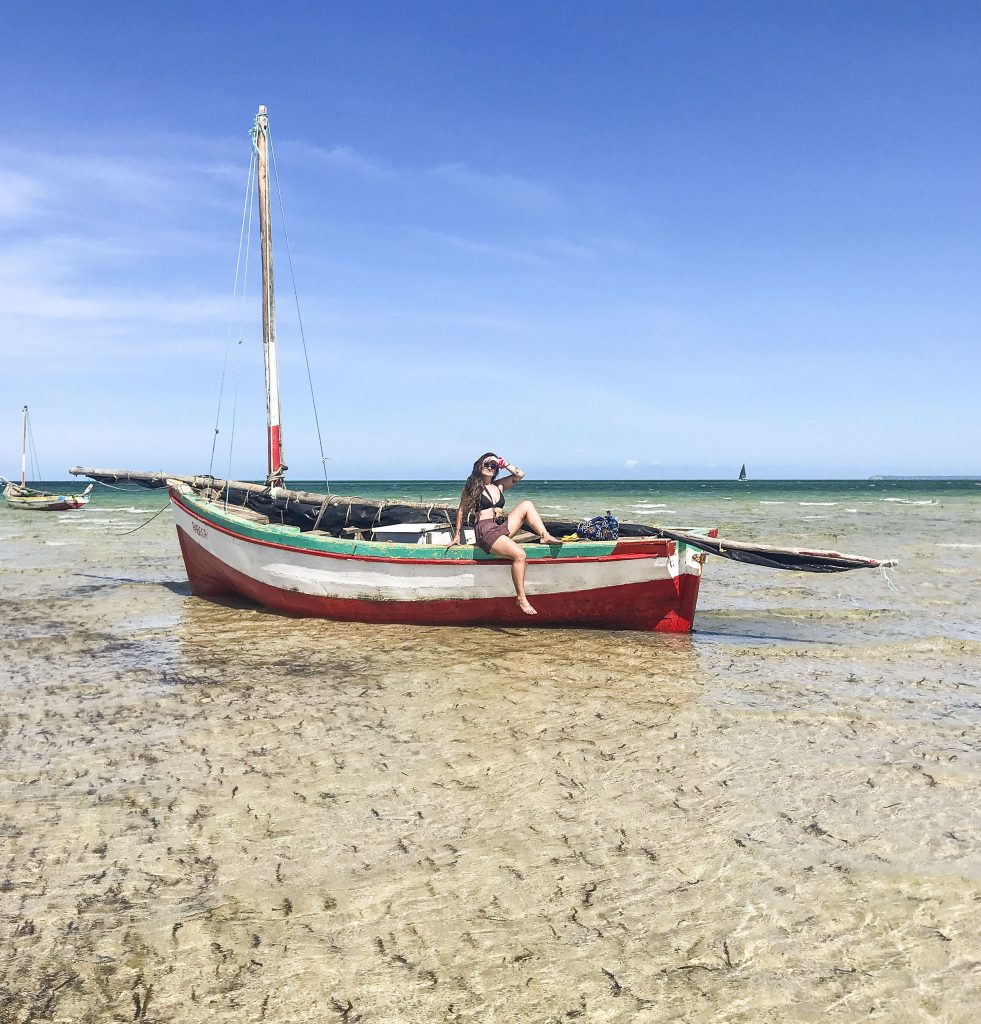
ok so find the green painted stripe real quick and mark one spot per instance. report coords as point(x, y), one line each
point(292, 536)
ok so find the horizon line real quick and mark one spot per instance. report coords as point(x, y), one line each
point(878, 478)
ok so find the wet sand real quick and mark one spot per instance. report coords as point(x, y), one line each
point(211, 813)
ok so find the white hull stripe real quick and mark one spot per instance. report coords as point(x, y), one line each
point(303, 572)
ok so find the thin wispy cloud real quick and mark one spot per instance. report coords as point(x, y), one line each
point(497, 251)
point(45, 182)
point(569, 250)
point(58, 177)
point(530, 252)
point(342, 158)
point(502, 189)
point(499, 190)
point(98, 243)
point(57, 256)
point(20, 196)
point(47, 302)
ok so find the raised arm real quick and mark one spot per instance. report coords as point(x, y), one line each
point(517, 475)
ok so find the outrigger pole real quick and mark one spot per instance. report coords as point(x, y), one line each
point(260, 137)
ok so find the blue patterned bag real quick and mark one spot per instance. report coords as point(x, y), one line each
point(599, 528)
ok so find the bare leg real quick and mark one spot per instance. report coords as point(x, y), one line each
point(523, 512)
point(504, 547)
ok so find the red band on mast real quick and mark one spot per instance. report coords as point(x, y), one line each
point(275, 461)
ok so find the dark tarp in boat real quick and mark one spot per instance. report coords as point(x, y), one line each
point(308, 510)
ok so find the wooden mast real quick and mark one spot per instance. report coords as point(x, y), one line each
point(23, 454)
point(271, 358)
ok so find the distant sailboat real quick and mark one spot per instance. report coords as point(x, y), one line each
point(33, 500)
point(742, 472)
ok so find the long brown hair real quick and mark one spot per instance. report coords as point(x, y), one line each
point(472, 489)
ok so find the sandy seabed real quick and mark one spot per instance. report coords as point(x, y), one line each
point(212, 813)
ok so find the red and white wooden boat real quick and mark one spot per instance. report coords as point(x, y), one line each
point(640, 583)
point(337, 557)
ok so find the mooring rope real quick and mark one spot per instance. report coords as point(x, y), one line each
point(147, 523)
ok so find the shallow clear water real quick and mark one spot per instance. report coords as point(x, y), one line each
point(209, 812)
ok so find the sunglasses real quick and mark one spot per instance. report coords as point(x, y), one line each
point(492, 465)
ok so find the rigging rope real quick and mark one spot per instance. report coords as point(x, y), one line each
point(35, 464)
point(245, 246)
point(236, 298)
point(296, 299)
point(241, 332)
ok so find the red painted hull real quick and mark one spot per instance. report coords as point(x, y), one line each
point(665, 605)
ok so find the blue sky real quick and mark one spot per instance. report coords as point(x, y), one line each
point(606, 240)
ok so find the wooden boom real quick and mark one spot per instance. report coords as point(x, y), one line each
point(159, 479)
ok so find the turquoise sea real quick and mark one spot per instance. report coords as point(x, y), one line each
point(209, 812)
point(697, 502)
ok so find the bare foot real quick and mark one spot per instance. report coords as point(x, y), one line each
point(526, 607)
point(547, 538)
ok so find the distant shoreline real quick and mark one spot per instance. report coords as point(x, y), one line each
point(300, 478)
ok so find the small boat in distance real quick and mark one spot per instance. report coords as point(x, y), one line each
point(742, 473)
point(30, 499)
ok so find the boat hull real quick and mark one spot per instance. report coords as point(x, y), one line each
point(649, 584)
point(42, 502)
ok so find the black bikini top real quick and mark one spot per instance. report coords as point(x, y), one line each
point(487, 502)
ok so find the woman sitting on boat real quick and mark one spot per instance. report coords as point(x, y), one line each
point(483, 498)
